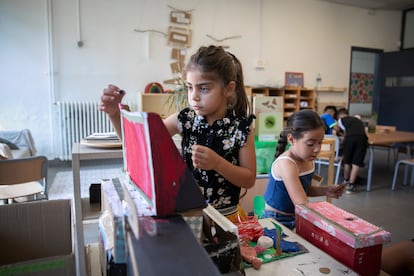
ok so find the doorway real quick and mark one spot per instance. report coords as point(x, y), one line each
point(364, 81)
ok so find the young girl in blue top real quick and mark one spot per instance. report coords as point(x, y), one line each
point(290, 180)
point(217, 141)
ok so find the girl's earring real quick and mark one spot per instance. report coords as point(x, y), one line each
point(230, 105)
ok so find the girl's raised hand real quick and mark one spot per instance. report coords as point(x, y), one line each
point(111, 100)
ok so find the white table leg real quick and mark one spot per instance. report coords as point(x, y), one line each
point(79, 247)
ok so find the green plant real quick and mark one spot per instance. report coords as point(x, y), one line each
point(372, 124)
point(178, 99)
point(374, 116)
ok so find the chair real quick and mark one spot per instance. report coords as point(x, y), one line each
point(402, 148)
point(386, 146)
point(323, 159)
point(407, 162)
point(23, 177)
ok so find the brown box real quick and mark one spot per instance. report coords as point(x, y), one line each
point(36, 238)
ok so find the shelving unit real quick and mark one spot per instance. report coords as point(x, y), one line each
point(307, 99)
point(291, 101)
point(294, 98)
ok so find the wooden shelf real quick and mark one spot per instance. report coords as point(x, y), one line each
point(331, 89)
point(331, 95)
point(289, 105)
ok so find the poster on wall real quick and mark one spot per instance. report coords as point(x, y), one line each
point(362, 87)
point(294, 79)
point(269, 126)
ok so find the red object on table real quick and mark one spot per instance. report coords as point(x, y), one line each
point(349, 239)
point(250, 229)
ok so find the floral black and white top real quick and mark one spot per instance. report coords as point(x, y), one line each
point(226, 137)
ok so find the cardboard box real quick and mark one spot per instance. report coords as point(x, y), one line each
point(36, 238)
point(351, 240)
point(221, 241)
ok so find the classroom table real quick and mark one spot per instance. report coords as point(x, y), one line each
point(390, 137)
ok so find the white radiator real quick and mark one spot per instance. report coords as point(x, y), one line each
point(76, 120)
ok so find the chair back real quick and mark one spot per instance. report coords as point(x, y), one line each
point(329, 155)
point(328, 147)
point(16, 171)
point(337, 143)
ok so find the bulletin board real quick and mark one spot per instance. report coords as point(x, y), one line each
point(362, 87)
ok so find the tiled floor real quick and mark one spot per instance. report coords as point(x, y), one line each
point(383, 207)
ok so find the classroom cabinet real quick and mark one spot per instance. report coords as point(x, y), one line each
point(156, 102)
point(294, 98)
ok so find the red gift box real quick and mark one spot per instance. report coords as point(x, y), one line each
point(351, 240)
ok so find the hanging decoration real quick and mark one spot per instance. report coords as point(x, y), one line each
point(179, 38)
point(219, 41)
point(150, 31)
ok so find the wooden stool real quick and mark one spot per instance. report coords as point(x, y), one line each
point(407, 162)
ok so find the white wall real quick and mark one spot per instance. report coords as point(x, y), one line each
point(308, 36)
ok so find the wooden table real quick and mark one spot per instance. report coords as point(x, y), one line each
point(83, 152)
point(302, 264)
point(391, 137)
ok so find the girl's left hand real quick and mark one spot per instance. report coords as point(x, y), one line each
point(335, 191)
point(204, 157)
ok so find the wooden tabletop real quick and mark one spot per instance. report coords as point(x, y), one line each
point(390, 137)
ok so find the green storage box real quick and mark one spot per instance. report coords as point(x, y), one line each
point(265, 155)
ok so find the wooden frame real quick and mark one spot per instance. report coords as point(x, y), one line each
point(294, 79)
point(180, 17)
point(179, 37)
